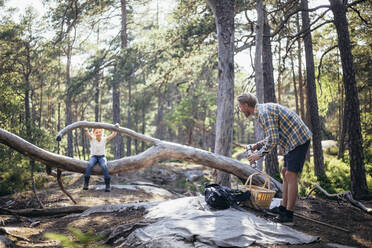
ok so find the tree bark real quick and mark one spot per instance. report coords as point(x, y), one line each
point(70, 146)
point(300, 80)
point(159, 150)
point(279, 70)
point(352, 112)
point(124, 43)
point(143, 127)
point(96, 97)
point(342, 127)
point(160, 127)
point(259, 70)
point(271, 159)
point(294, 84)
point(223, 11)
point(118, 139)
point(311, 94)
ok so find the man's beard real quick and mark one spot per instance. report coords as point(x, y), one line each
point(247, 114)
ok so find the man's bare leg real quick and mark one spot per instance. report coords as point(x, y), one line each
point(285, 188)
point(292, 185)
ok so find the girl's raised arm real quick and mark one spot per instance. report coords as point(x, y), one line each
point(113, 133)
point(88, 134)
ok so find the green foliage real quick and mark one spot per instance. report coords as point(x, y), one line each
point(203, 182)
point(335, 180)
point(333, 150)
point(13, 176)
point(79, 240)
point(15, 168)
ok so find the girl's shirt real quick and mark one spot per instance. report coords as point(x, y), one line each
point(97, 148)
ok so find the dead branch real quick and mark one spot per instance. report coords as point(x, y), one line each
point(160, 150)
point(345, 196)
point(11, 232)
point(321, 222)
point(59, 181)
point(60, 184)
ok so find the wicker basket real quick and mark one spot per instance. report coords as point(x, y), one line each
point(260, 196)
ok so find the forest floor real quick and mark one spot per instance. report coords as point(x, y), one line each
point(29, 232)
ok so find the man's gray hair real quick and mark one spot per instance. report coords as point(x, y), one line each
point(248, 98)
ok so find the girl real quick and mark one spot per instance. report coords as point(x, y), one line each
point(97, 153)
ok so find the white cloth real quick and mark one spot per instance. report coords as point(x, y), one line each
point(188, 222)
point(97, 148)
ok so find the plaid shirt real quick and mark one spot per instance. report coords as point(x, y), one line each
point(282, 127)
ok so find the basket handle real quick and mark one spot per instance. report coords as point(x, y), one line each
point(267, 180)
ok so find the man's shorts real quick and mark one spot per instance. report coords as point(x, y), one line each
point(295, 159)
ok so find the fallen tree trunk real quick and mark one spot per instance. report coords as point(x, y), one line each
point(35, 212)
point(160, 150)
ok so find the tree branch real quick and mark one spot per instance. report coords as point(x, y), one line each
point(355, 3)
point(286, 18)
point(321, 60)
point(360, 16)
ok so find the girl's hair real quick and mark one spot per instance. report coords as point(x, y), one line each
point(94, 129)
point(248, 98)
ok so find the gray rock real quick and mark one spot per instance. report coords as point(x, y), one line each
point(193, 175)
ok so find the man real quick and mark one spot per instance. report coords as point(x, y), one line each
point(285, 129)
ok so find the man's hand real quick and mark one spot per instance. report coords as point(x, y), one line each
point(251, 147)
point(253, 157)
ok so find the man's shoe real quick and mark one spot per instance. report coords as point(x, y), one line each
point(285, 219)
point(275, 211)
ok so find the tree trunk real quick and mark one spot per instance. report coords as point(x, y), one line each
point(352, 112)
point(143, 117)
point(311, 94)
point(271, 159)
point(259, 70)
point(118, 139)
point(342, 123)
point(70, 146)
point(41, 103)
point(159, 117)
point(28, 117)
point(294, 84)
point(280, 70)
point(300, 81)
point(129, 118)
point(124, 42)
point(123, 33)
point(96, 98)
point(224, 16)
point(159, 150)
point(136, 121)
